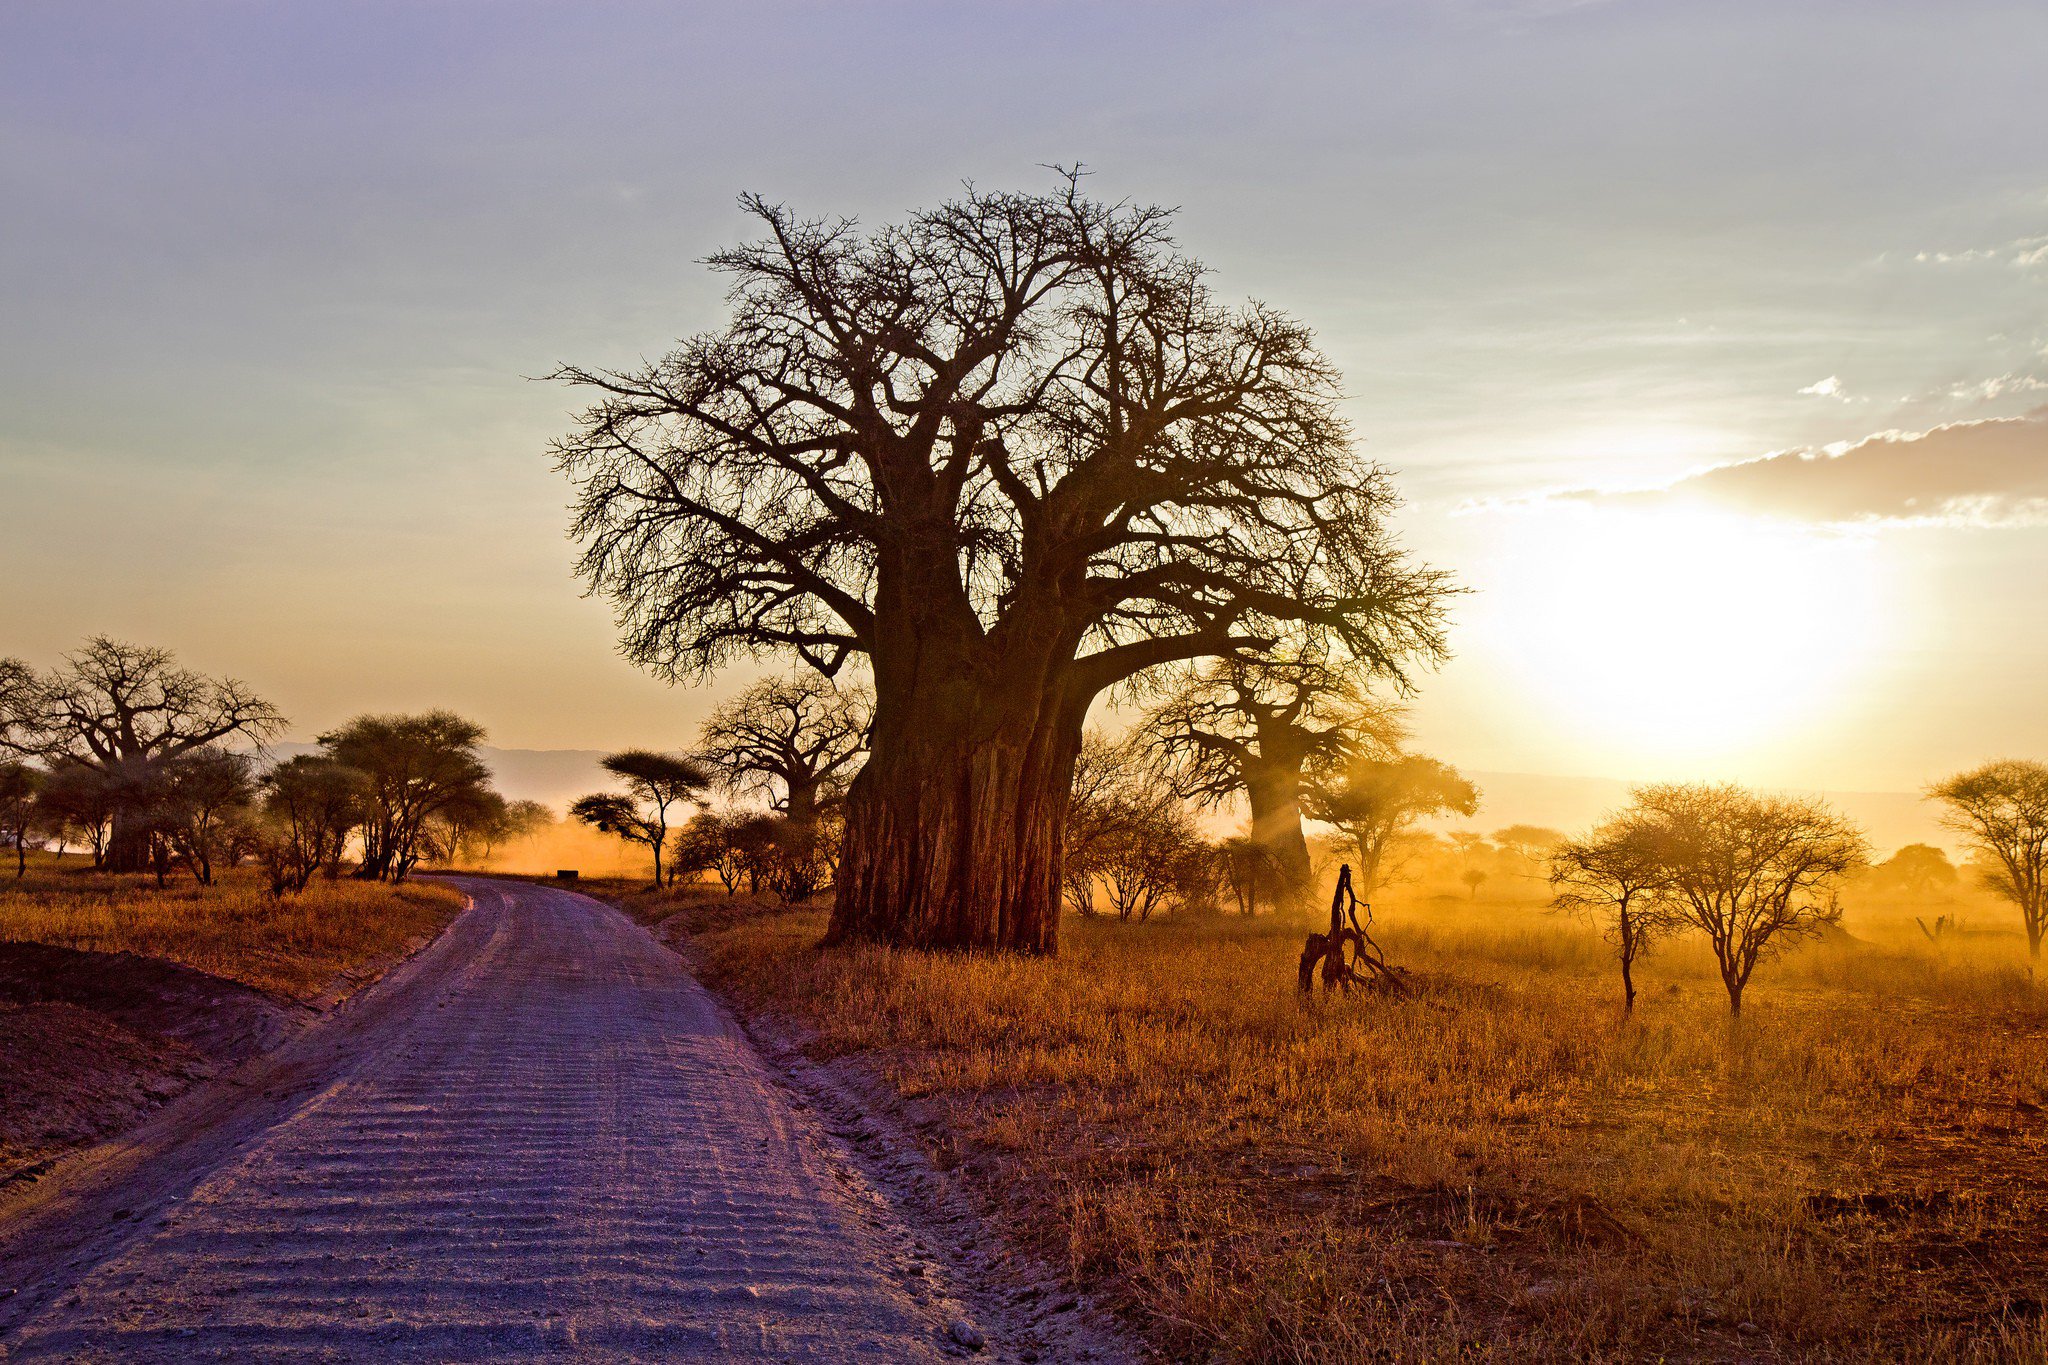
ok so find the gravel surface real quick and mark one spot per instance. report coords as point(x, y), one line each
point(538, 1138)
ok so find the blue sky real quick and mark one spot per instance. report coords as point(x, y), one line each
point(271, 277)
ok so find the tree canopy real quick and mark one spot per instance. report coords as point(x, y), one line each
point(415, 767)
point(1013, 451)
point(1267, 726)
point(795, 741)
point(2002, 809)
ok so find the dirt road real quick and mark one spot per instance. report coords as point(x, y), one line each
point(540, 1137)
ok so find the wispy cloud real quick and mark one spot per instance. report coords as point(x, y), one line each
point(1989, 473)
point(1998, 387)
point(2023, 252)
point(1831, 387)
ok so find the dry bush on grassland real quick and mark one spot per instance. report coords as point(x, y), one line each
point(295, 946)
point(1498, 1166)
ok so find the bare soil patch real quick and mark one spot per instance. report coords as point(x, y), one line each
point(90, 1043)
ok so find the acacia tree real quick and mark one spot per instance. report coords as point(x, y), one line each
point(200, 806)
point(314, 803)
point(1917, 870)
point(1753, 873)
point(83, 801)
point(414, 767)
point(711, 840)
point(793, 741)
point(655, 783)
point(1150, 857)
point(19, 786)
point(2002, 809)
point(1376, 800)
point(1617, 875)
point(1267, 727)
point(1250, 872)
point(123, 710)
point(1013, 452)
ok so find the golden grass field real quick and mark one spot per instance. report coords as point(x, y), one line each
point(295, 947)
point(1498, 1166)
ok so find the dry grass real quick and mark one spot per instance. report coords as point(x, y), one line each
point(1499, 1166)
point(294, 947)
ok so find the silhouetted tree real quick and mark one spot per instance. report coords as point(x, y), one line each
point(618, 815)
point(700, 846)
point(718, 836)
point(1753, 873)
point(415, 767)
point(20, 707)
point(1917, 870)
point(1014, 453)
point(1267, 727)
point(1618, 875)
point(523, 820)
point(2002, 809)
point(794, 741)
point(1529, 843)
point(122, 709)
point(1151, 857)
point(1111, 779)
point(1374, 800)
point(199, 806)
point(655, 783)
point(19, 784)
point(316, 803)
point(1250, 872)
point(81, 801)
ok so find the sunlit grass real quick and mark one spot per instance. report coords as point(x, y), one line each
point(1499, 1164)
point(297, 946)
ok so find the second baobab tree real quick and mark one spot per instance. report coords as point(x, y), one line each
point(1267, 727)
point(1013, 452)
point(796, 741)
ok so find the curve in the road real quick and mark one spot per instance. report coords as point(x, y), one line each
point(540, 1138)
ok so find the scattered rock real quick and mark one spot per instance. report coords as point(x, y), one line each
point(967, 1334)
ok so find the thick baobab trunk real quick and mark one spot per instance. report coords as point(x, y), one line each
point(954, 826)
point(1273, 789)
point(801, 807)
point(128, 846)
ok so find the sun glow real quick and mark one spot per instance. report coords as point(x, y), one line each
point(1670, 636)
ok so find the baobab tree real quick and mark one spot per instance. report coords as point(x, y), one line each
point(124, 710)
point(1012, 452)
point(1267, 726)
point(2002, 809)
point(792, 740)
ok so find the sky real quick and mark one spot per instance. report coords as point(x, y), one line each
point(1710, 340)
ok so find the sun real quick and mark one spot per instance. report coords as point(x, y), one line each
point(1667, 636)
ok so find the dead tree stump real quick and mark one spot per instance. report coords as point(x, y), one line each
point(1346, 955)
